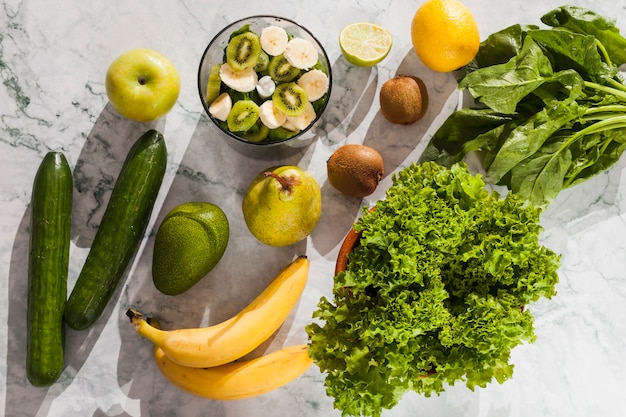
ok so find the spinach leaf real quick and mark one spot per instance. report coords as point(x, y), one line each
point(539, 178)
point(489, 142)
point(501, 87)
point(555, 111)
point(452, 136)
point(499, 47)
point(538, 128)
point(575, 153)
point(608, 147)
point(581, 20)
point(585, 153)
point(576, 51)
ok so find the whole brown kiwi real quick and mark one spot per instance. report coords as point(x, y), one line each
point(403, 99)
point(355, 170)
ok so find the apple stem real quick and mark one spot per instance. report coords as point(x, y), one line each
point(287, 183)
point(141, 80)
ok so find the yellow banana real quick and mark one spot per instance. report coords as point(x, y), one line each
point(229, 340)
point(240, 379)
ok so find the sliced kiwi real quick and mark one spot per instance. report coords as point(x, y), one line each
point(281, 70)
point(243, 51)
point(242, 116)
point(290, 98)
point(256, 133)
point(214, 83)
point(263, 63)
point(280, 133)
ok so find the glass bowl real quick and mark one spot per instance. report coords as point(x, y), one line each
point(215, 54)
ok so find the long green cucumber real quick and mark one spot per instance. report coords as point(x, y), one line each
point(48, 263)
point(121, 229)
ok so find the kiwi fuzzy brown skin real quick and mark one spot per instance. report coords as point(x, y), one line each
point(403, 99)
point(355, 170)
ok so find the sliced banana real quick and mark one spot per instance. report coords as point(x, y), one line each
point(303, 120)
point(289, 126)
point(220, 107)
point(300, 53)
point(315, 83)
point(242, 81)
point(274, 40)
point(265, 87)
point(271, 116)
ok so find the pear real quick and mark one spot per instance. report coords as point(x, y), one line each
point(282, 205)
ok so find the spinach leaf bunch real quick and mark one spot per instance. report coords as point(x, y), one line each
point(552, 107)
point(433, 293)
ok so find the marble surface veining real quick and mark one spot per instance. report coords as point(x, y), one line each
point(53, 58)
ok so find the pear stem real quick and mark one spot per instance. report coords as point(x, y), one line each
point(287, 183)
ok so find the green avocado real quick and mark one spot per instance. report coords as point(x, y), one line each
point(190, 241)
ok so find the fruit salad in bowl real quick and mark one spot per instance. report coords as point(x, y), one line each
point(265, 81)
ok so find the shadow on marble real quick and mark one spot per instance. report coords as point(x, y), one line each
point(100, 413)
point(397, 142)
point(584, 205)
point(209, 171)
point(20, 394)
point(94, 175)
point(97, 168)
point(354, 93)
point(338, 214)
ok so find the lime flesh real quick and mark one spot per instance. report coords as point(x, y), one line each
point(365, 44)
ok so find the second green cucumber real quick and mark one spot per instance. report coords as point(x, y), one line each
point(121, 229)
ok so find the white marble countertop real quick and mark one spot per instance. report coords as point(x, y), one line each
point(53, 58)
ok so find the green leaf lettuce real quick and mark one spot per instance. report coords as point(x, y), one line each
point(434, 292)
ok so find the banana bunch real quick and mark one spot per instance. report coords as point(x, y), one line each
point(202, 361)
point(241, 379)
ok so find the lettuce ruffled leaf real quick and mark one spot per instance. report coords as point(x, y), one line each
point(434, 292)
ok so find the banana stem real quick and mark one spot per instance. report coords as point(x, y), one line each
point(134, 315)
point(144, 328)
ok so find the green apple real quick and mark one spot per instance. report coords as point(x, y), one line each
point(142, 84)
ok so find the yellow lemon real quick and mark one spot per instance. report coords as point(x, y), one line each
point(444, 35)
